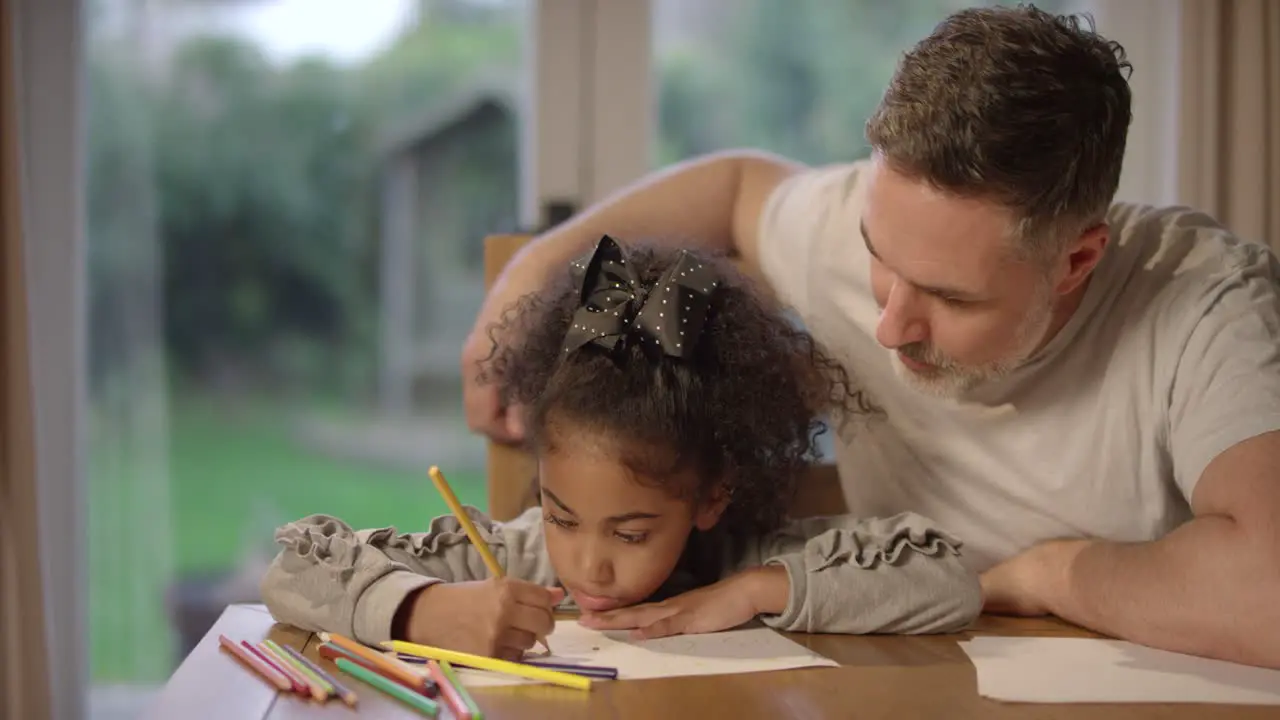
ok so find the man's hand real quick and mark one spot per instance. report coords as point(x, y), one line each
point(724, 605)
point(1030, 583)
point(480, 400)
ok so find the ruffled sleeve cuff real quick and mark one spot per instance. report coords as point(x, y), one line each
point(897, 574)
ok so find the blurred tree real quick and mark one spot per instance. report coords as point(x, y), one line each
point(797, 77)
point(256, 187)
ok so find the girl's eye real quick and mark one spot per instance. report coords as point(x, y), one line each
point(632, 538)
point(560, 522)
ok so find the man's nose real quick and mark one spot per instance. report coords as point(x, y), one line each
point(901, 320)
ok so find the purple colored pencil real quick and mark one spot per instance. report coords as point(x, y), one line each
point(597, 671)
point(593, 671)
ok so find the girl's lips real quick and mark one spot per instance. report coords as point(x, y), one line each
point(594, 603)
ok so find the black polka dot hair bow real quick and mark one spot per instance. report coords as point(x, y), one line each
point(616, 307)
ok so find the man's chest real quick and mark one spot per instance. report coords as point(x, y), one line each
point(1003, 478)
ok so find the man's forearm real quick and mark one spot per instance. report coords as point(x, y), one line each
point(711, 202)
point(1204, 589)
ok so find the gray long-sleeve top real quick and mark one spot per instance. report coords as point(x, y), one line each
point(847, 575)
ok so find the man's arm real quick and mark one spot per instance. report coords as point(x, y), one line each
point(1210, 587)
point(713, 201)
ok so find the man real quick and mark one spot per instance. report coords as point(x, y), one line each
point(1087, 394)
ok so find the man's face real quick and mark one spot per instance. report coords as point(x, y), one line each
point(958, 306)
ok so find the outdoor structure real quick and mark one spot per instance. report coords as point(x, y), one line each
point(449, 177)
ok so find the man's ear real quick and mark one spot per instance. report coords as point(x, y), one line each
point(712, 507)
point(1082, 257)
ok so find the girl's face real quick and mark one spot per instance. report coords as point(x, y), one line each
point(613, 537)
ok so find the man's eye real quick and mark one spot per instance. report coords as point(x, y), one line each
point(632, 538)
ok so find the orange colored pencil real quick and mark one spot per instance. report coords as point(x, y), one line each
point(448, 693)
point(382, 664)
point(265, 671)
point(332, 652)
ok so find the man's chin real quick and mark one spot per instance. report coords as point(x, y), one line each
point(928, 380)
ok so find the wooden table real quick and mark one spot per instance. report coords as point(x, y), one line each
point(893, 677)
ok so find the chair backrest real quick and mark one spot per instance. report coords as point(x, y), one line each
point(511, 469)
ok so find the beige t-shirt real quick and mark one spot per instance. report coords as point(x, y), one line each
point(1172, 357)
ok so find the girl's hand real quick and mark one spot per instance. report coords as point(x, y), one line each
point(499, 617)
point(724, 605)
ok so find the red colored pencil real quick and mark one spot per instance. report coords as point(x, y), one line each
point(448, 693)
point(295, 681)
point(265, 671)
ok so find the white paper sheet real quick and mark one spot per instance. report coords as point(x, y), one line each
point(1067, 670)
point(733, 651)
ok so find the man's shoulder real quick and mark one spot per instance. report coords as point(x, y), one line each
point(827, 186)
point(1177, 241)
point(1172, 257)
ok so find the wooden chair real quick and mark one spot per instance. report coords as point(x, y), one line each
point(511, 469)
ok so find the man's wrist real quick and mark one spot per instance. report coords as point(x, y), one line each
point(1055, 586)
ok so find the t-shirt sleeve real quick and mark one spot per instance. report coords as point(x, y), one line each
point(793, 219)
point(1226, 386)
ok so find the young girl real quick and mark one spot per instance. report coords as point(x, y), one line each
point(671, 409)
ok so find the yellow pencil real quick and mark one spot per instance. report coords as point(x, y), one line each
point(469, 528)
point(480, 662)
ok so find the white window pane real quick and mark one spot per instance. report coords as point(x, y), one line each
point(286, 205)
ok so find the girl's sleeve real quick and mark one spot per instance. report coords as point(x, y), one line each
point(329, 577)
point(900, 574)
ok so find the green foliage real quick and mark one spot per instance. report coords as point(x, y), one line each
point(796, 77)
point(250, 189)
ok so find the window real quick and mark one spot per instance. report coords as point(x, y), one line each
point(796, 77)
point(285, 206)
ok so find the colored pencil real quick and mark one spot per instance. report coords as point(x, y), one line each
point(449, 693)
point(341, 690)
point(578, 682)
point(482, 547)
point(386, 665)
point(596, 671)
point(602, 672)
point(320, 690)
point(332, 652)
point(395, 690)
point(299, 684)
point(263, 670)
point(452, 677)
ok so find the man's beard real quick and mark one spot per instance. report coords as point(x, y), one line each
point(949, 379)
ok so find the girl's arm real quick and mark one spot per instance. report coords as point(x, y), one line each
point(900, 574)
point(330, 577)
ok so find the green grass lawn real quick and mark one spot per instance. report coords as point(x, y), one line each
point(230, 481)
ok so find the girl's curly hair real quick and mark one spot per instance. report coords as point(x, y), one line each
point(744, 411)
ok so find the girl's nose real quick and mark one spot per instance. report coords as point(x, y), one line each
point(597, 567)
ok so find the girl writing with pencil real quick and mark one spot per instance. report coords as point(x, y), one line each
point(671, 408)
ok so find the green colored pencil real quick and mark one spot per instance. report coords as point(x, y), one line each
point(320, 682)
point(395, 690)
point(447, 669)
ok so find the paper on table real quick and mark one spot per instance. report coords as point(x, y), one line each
point(733, 651)
point(1066, 670)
